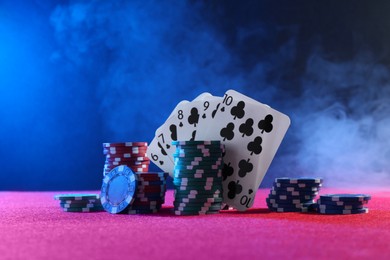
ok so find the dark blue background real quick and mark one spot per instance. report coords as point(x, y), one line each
point(74, 74)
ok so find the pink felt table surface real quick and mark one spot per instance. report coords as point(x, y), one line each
point(33, 226)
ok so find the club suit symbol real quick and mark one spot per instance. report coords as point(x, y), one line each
point(255, 145)
point(238, 110)
point(266, 124)
point(246, 128)
point(193, 119)
point(227, 132)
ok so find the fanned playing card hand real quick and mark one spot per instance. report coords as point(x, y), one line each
point(250, 131)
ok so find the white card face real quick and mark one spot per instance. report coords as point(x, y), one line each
point(251, 133)
point(159, 156)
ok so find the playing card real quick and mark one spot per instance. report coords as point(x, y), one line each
point(251, 133)
point(160, 150)
point(158, 154)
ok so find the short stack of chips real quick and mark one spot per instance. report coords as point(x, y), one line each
point(79, 202)
point(197, 177)
point(342, 204)
point(131, 154)
point(293, 194)
point(124, 191)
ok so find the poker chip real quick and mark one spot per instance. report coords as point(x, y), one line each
point(293, 194)
point(300, 185)
point(192, 213)
point(76, 196)
point(161, 175)
point(342, 204)
point(141, 211)
point(128, 192)
point(343, 211)
point(197, 177)
point(79, 202)
point(84, 201)
point(284, 209)
point(70, 205)
point(118, 189)
point(126, 144)
point(346, 197)
point(131, 154)
point(303, 180)
point(194, 143)
point(97, 209)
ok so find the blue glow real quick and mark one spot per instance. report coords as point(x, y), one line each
point(74, 74)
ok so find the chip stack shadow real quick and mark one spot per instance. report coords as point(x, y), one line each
point(197, 177)
point(131, 154)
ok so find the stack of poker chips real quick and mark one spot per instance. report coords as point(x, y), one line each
point(293, 194)
point(197, 177)
point(129, 192)
point(342, 204)
point(150, 193)
point(79, 202)
point(131, 154)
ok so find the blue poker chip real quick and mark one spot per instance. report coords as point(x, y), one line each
point(345, 197)
point(300, 189)
point(289, 201)
point(297, 185)
point(118, 189)
point(280, 209)
point(305, 180)
point(342, 203)
point(293, 193)
point(342, 211)
point(290, 197)
point(335, 207)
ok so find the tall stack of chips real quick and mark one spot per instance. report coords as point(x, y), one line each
point(342, 204)
point(79, 202)
point(197, 177)
point(130, 154)
point(124, 191)
point(293, 194)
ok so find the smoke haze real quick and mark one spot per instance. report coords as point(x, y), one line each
point(75, 74)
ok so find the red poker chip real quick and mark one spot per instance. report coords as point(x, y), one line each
point(135, 158)
point(110, 166)
point(130, 161)
point(124, 155)
point(134, 169)
point(125, 144)
point(149, 194)
point(135, 163)
point(126, 163)
point(153, 174)
point(160, 200)
point(123, 152)
point(150, 179)
point(152, 189)
point(138, 167)
point(147, 203)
